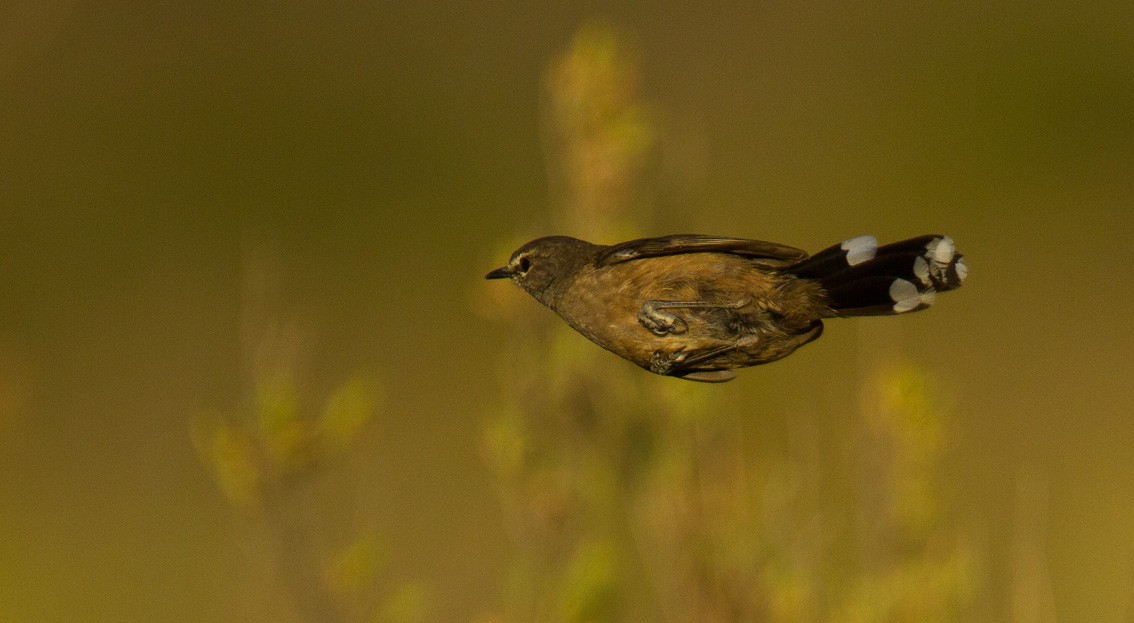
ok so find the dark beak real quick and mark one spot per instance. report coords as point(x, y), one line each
point(500, 273)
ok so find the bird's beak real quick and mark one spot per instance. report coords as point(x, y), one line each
point(504, 272)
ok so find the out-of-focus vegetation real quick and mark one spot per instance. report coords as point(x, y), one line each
point(281, 460)
point(359, 446)
point(634, 498)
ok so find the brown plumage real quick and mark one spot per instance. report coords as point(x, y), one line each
point(697, 306)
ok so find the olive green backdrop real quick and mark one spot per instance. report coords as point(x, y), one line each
point(179, 179)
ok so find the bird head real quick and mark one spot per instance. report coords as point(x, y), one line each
point(544, 263)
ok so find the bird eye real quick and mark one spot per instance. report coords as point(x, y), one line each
point(525, 264)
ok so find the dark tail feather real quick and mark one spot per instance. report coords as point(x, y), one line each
point(863, 279)
point(833, 259)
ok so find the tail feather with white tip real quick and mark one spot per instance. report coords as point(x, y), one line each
point(864, 279)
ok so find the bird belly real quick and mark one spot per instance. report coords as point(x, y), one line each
point(607, 305)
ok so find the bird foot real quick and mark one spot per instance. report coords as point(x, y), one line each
point(664, 363)
point(664, 323)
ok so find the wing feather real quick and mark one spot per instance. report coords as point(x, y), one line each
point(774, 254)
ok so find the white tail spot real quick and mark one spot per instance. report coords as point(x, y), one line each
point(905, 295)
point(962, 270)
point(860, 249)
point(921, 269)
point(941, 250)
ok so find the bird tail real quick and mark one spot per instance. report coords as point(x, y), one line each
point(864, 279)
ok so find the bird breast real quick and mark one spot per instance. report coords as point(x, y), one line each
point(604, 304)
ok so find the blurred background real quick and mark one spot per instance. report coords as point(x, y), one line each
point(249, 370)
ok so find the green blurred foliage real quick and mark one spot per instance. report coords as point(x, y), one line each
point(353, 569)
point(914, 565)
point(590, 583)
point(231, 455)
point(145, 145)
point(348, 411)
point(600, 135)
point(635, 498)
point(255, 454)
point(272, 461)
point(409, 603)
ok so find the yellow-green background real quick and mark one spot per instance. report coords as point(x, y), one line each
point(386, 154)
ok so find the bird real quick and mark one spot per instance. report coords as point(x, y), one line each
point(698, 307)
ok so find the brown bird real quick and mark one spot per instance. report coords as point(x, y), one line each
point(696, 307)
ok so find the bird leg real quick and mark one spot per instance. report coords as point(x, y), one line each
point(677, 361)
point(664, 323)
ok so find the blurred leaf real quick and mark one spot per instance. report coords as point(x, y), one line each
point(288, 440)
point(351, 407)
point(505, 444)
point(635, 132)
point(590, 584)
point(354, 568)
point(409, 604)
point(229, 452)
point(277, 406)
point(906, 421)
point(932, 587)
point(596, 78)
point(908, 407)
point(602, 131)
point(789, 594)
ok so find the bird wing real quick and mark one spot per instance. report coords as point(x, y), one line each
point(775, 254)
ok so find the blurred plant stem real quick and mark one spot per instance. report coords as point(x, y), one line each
point(600, 136)
point(639, 498)
point(1032, 598)
point(281, 460)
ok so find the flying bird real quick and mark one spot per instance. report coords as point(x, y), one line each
point(697, 307)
